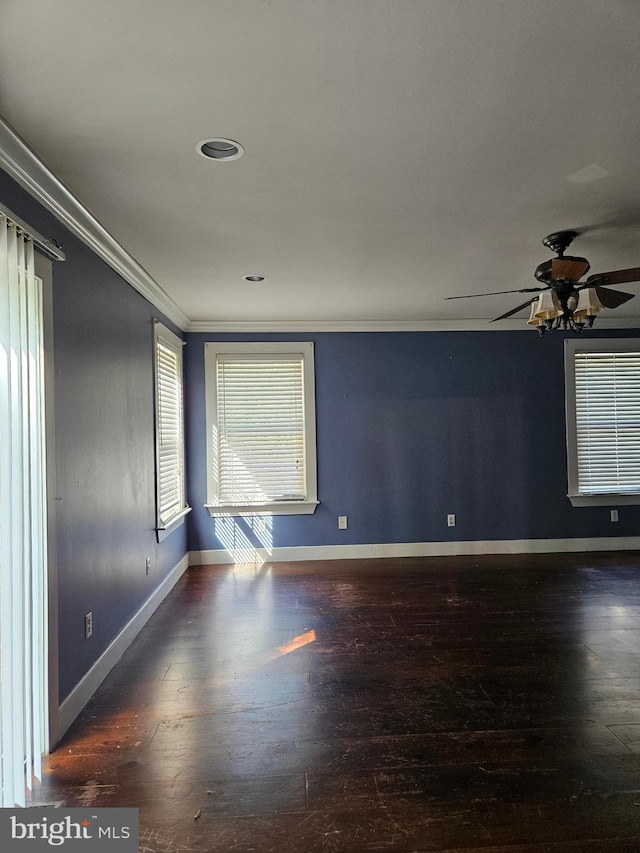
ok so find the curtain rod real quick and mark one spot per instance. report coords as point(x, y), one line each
point(45, 244)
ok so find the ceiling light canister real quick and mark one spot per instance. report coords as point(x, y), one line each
point(220, 148)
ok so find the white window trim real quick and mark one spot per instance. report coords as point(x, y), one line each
point(571, 347)
point(162, 334)
point(306, 349)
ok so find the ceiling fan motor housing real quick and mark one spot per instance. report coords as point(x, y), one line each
point(567, 268)
point(561, 268)
point(543, 272)
point(559, 241)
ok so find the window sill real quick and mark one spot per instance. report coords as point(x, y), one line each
point(176, 521)
point(275, 508)
point(604, 500)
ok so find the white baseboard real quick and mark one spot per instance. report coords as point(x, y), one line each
point(81, 694)
point(413, 549)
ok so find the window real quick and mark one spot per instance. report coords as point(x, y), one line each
point(603, 421)
point(171, 506)
point(261, 454)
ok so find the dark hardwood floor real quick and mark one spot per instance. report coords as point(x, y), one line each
point(477, 703)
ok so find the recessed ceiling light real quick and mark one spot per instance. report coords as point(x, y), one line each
point(219, 148)
point(254, 277)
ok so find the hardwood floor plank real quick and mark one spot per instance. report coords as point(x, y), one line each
point(629, 735)
point(459, 704)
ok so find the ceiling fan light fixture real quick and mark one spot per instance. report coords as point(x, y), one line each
point(220, 148)
point(588, 305)
point(534, 320)
point(549, 306)
point(564, 303)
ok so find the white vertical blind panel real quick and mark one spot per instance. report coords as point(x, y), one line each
point(36, 670)
point(22, 647)
point(608, 422)
point(10, 521)
point(22, 519)
point(6, 526)
point(260, 440)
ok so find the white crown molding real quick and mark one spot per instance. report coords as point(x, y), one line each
point(388, 326)
point(345, 326)
point(413, 549)
point(25, 167)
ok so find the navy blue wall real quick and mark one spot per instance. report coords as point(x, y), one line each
point(413, 426)
point(104, 437)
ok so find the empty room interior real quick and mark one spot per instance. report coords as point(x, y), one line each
point(320, 421)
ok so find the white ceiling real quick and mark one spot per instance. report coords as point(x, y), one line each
point(397, 151)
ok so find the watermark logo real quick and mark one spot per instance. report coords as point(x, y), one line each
point(35, 830)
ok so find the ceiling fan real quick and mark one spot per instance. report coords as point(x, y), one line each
point(563, 302)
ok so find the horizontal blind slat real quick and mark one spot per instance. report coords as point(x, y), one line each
point(169, 429)
point(260, 449)
point(608, 421)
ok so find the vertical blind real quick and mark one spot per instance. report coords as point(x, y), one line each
point(608, 421)
point(23, 614)
point(170, 430)
point(260, 436)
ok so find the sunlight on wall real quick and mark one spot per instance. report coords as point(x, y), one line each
point(247, 539)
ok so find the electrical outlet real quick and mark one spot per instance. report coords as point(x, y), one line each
point(342, 522)
point(147, 565)
point(614, 515)
point(451, 520)
point(88, 625)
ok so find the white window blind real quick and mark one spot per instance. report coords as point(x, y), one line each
point(607, 401)
point(169, 427)
point(260, 429)
point(23, 544)
point(261, 450)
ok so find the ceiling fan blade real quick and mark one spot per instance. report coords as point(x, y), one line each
point(515, 310)
point(613, 298)
point(616, 276)
point(570, 269)
point(499, 292)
